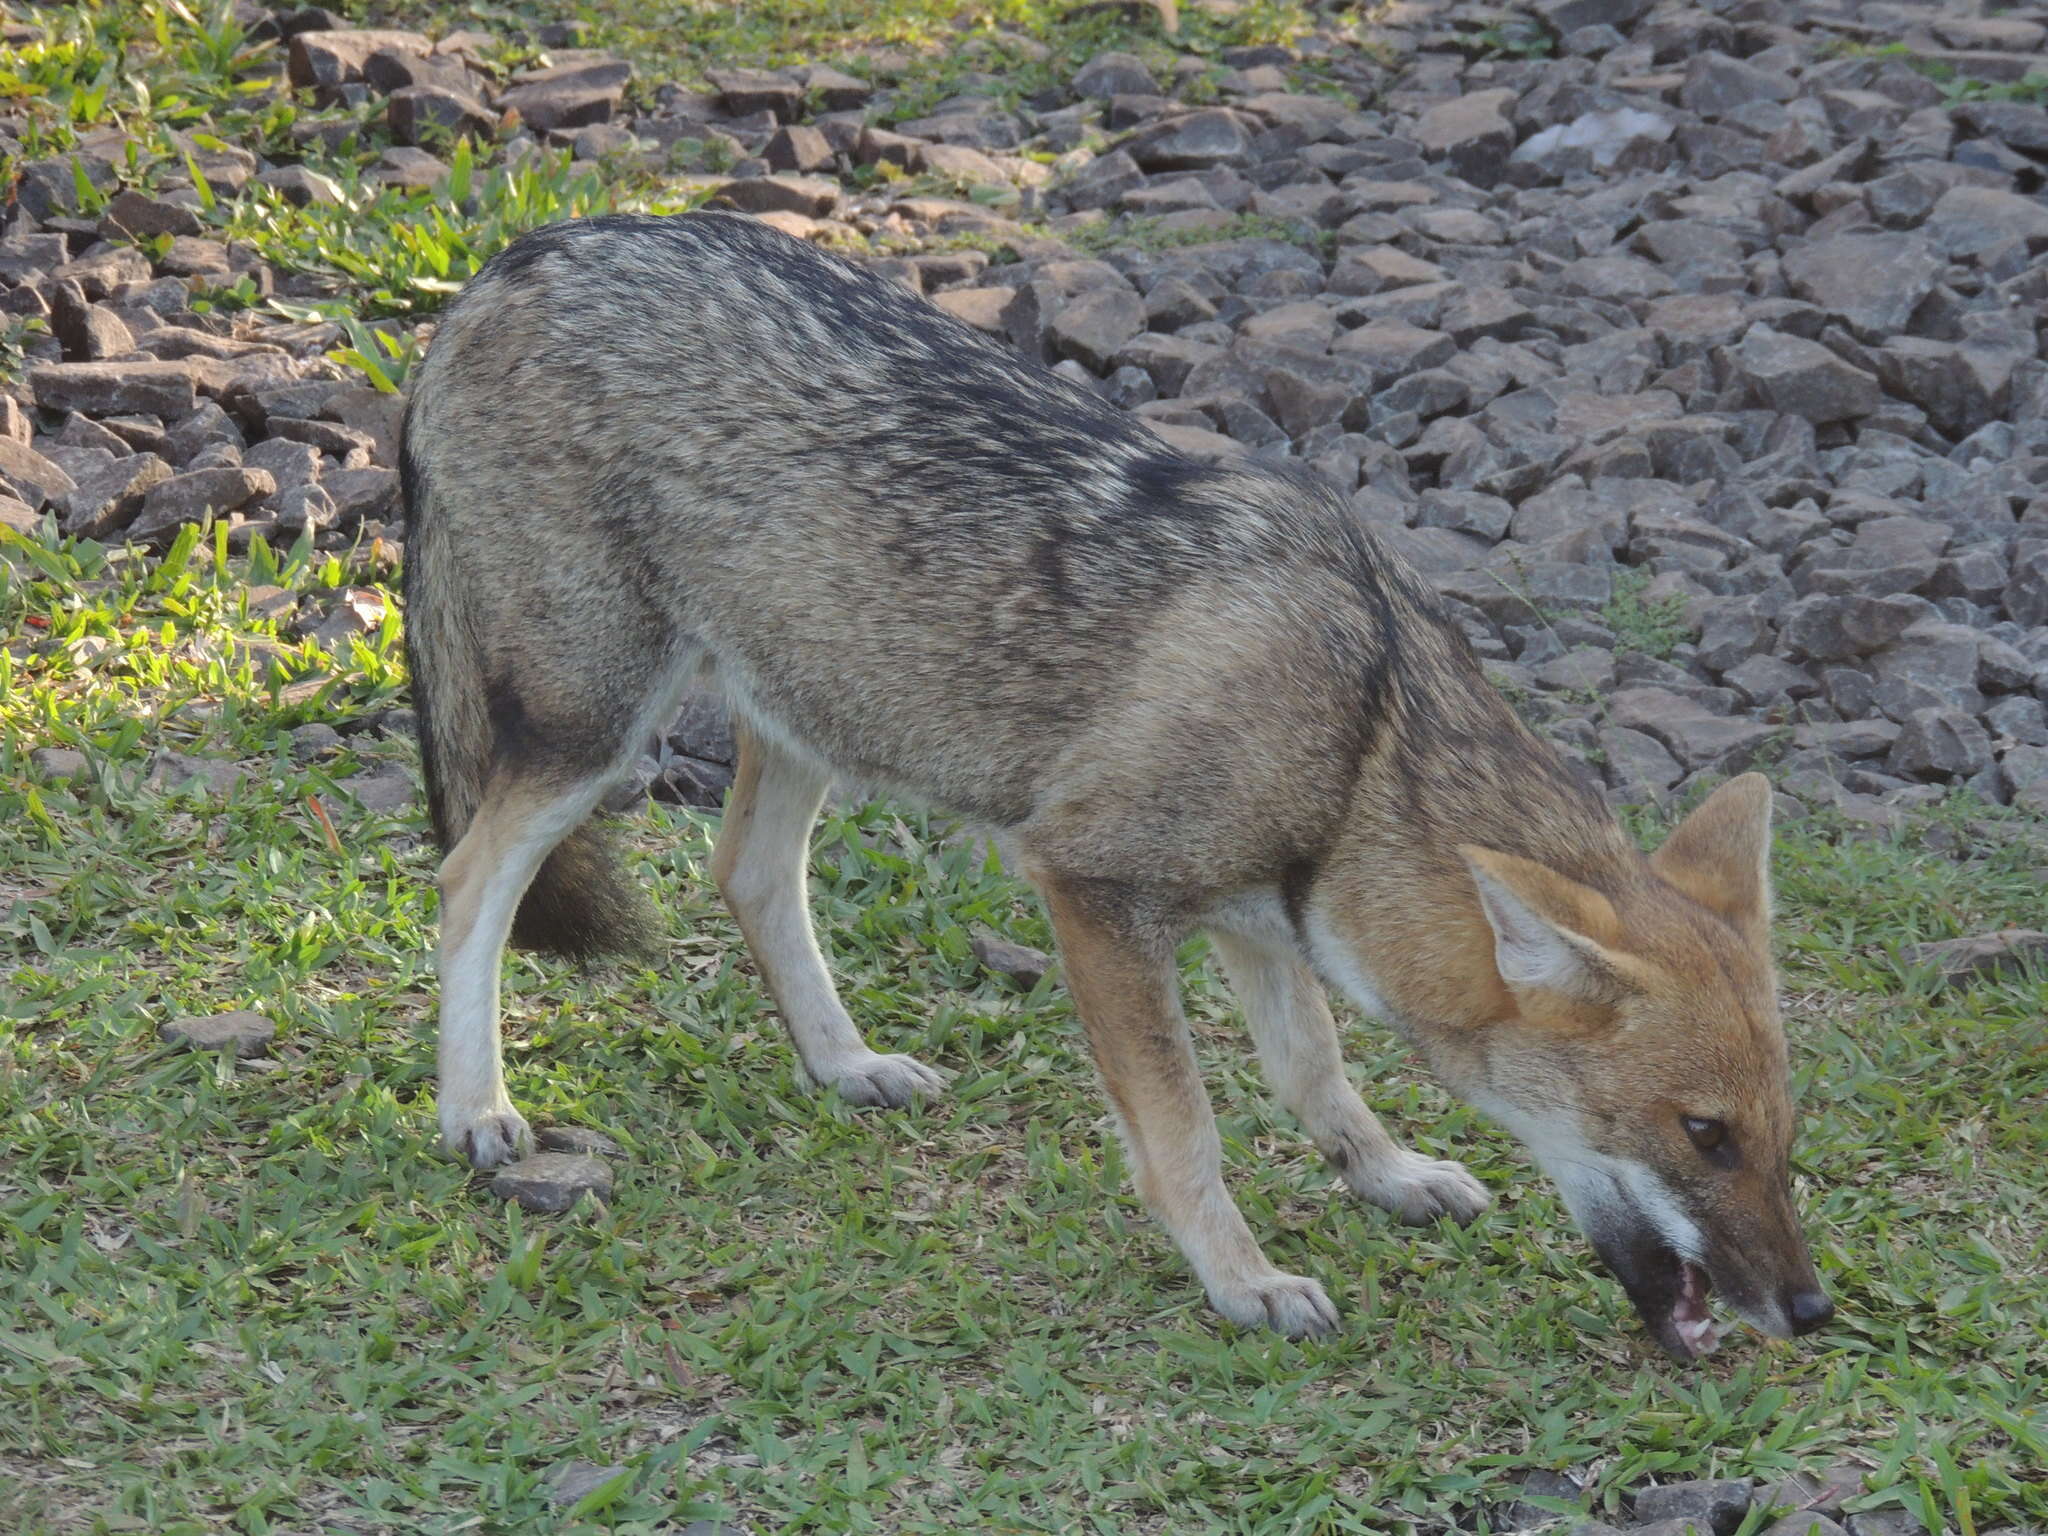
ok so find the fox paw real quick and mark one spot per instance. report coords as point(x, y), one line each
point(1293, 1305)
point(889, 1082)
point(1419, 1189)
point(486, 1137)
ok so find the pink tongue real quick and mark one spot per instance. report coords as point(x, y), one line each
point(1690, 1315)
point(1692, 1297)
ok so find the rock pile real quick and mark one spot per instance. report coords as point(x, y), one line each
point(1693, 352)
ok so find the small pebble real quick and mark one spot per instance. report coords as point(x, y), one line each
point(552, 1181)
point(571, 1480)
point(244, 1033)
point(579, 1139)
point(1019, 962)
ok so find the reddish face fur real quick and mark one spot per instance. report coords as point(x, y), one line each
point(1637, 1049)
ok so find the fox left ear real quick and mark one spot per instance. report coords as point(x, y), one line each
point(1720, 855)
point(1548, 930)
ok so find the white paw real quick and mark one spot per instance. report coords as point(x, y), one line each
point(485, 1137)
point(1293, 1305)
point(888, 1081)
point(1419, 1189)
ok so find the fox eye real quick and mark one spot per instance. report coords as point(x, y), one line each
point(1713, 1141)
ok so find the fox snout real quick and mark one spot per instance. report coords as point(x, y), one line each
point(1671, 1260)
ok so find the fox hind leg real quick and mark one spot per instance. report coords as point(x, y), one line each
point(518, 824)
point(1289, 1017)
point(759, 864)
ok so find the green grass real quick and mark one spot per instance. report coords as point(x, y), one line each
point(923, 51)
point(2031, 89)
point(260, 1300)
point(1655, 627)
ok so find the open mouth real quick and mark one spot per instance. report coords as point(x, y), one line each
point(1669, 1291)
point(1690, 1321)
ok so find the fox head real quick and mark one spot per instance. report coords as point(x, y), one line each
point(1642, 1061)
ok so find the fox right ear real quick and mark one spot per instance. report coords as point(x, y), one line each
point(1720, 856)
point(1540, 921)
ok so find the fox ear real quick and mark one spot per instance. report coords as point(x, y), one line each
point(1720, 855)
point(1541, 922)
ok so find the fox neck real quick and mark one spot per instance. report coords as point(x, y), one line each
point(1395, 921)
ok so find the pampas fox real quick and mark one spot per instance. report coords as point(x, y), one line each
point(646, 455)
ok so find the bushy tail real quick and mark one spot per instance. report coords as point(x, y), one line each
point(581, 903)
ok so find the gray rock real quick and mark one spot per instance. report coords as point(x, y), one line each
point(1765, 680)
point(242, 1033)
point(361, 494)
point(301, 186)
point(1638, 766)
point(1391, 349)
point(417, 113)
point(107, 499)
point(331, 58)
point(1094, 327)
point(1102, 181)
point(1874, 282)
point(87, 332)
point(1837, 628)
point(1981, 955)
point(1022, 964)
point(571, 1480)
point(1692, 734)
point(1538, 1483)
point(1565, 17)
point(1198, 141)
point(1716, 85)
point(386, 791)
point(1823, 1491)
point(1803, 378)
point(1472, 133)
point(747, 91)
point(1804, 1523)
point(200, 429)
point(304, 507)
point(1940, 743)
point(799, 149)
point(1715, 1503)
point(115, 389)
point(1886, 1522)
point(577, 1139)
point(1960, 386)
point(286, 460)
point(552, 1181)
point(812, 196)
point(60, 765)
point(313, 740)
point(21, 517)
point(1114, 74)
point(30, 477)
point(1945, 658)
point(1847, 739)
point(188, 497)
point(1586, 669)
point(1969, 221)
point(2023, 768)
point(172, 771)
point(135, 215)
point(2019, 719)
point(2026, 595)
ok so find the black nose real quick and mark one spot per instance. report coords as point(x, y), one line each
point(1809, 1310)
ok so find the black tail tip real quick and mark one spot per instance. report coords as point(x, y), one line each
point(583, 904)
